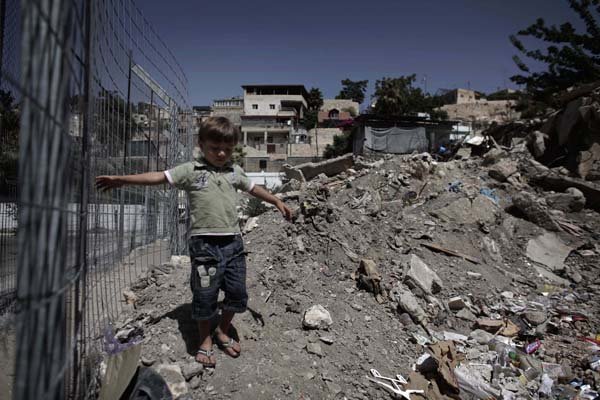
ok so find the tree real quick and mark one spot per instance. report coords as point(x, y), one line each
point(314, 102)
point(570, 57)
point(342, 144)
point(397, 97)
point(353, 90)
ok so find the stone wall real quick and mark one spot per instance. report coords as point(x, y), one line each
point(330, 104)
point(483, 110)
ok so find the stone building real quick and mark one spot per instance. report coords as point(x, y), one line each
point(338, 109)
point(232, 108)
point(271, 117)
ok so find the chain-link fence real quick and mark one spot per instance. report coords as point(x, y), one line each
point(88, 88)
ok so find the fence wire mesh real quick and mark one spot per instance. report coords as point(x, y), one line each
point(88, 88)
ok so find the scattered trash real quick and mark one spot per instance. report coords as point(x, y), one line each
point(490, 193)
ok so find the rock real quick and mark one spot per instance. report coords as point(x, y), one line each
point(588, 160)
point(314, 348)
point(130, 297)
point(307, 171)
point(537, 143)
point(327, 339)
point(180, 261)
point(474, 275)
point(317, 317)
point(480, 336)
point(502, 170)
point(534, 211)
point(250, 225)
point(572, 200)
point(174, 379)
point(333, 387)
point(494, 155)
point(408, 303)
point(456, 303)
point(422, 276)
point(463, 211)
point(549, 250)
point(147, 361)
point(466, 314)
point(191, 370)
point(535, 317)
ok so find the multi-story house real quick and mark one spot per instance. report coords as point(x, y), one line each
point(271, 118)
point(232, 108)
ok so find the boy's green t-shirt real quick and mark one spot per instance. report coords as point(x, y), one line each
point(212, 194)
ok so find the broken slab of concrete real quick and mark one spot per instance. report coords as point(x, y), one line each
point(463, 211)
point(559, 183)
point(548, 250)
point(572, 200)
point(502, 170)
point(587, 160)
point(408, 303)
point(419, 274)
point(534, 211)
point(307, 171)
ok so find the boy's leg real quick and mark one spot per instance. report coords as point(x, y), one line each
point(236, 296)
point(206, 344)
point(223, 329)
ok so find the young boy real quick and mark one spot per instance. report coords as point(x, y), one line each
point(215, 244)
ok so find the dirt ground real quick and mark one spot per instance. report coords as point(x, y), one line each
point(388, 211)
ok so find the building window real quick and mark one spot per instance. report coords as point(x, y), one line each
point(255, 106)
point(262, 164)
point(272, 106)
point(334, 114)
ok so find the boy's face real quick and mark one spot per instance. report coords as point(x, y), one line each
point(217, 153)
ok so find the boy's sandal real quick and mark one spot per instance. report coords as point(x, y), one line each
point(208, 354)
point(226, 345)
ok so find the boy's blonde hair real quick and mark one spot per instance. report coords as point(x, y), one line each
point(218, 129)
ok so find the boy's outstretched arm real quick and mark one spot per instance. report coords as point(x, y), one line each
point(107, 182)
point(265, 195)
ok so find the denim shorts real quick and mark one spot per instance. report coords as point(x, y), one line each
point(218, 262)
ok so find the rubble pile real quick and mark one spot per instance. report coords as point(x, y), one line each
point(455, 279)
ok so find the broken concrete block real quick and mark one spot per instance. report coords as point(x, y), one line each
point(250, 225)
point(408, 303)
point(462, 211)
point(191, 369)
point(307, 171)
point(466, 314)
point(481, 337)
point(561, 183)
point(494, 155)
point(549, 250)
point(534, 211)
point(422, 276)
point(456, 303)
point(587, 159)
point(535, 318)
point(502, 170)
point(317, 317)
point(537, 143)
point(292, 173)
point(314, 348)
point(174, 378)
point(572, 200)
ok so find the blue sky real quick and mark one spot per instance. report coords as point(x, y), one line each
point(222, 45)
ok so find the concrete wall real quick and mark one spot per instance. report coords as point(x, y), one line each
point(234, 114)
point(482, 110)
